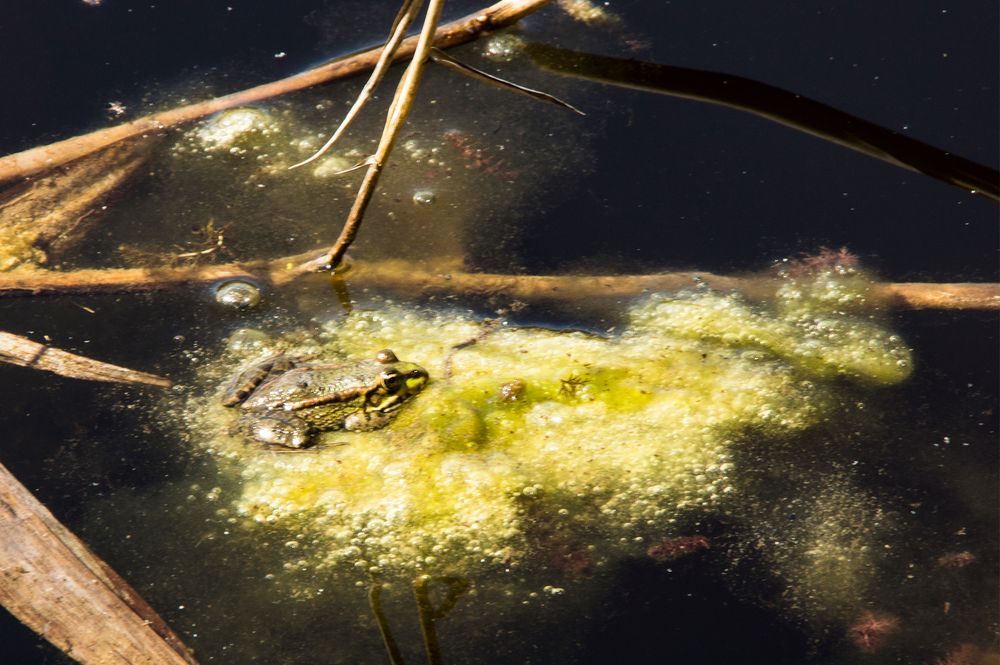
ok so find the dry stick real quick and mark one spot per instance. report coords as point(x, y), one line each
point(24, 352)
point(60, 589)
point(398, 110)
point(38, 159)
point(400, 25)
point(407, 278)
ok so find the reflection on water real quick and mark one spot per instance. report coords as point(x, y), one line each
point(706, 480)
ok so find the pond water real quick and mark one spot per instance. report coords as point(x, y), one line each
point(696, 477)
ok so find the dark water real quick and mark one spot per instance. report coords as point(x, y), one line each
point(642, 183)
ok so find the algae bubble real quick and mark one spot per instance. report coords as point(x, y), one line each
point(237, 294)
point(234, 130)
point(609, 443)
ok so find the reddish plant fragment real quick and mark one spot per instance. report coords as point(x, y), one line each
point(870, 631)
point(956, 559)
point(477, 158)
point(669, 549)
point(825, 260)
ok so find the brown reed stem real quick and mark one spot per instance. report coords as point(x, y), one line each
point(21, 351)
point(60, 589)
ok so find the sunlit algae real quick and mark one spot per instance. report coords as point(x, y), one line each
point(524, 433)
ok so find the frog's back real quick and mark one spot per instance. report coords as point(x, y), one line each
point(345, 380)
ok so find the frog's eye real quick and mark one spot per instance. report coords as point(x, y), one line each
point(391, 380)
point(386, 356)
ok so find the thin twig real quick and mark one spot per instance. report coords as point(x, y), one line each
point(463, 30)
point(455, 65)
point(400, 25)
point(407, 278)
point(398, 110)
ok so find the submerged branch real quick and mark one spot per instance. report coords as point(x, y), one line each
point(466, 29)
point(40, 220)
point(778, 105)
point(21, 351)
point(375, 602)
point(405, 278)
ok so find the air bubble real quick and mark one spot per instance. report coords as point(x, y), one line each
point(503, 48)
point(424, 197)
point(238, 294)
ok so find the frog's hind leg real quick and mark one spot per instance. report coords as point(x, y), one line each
point(255, 374)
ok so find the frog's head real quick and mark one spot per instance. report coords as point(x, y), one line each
point(397, 382)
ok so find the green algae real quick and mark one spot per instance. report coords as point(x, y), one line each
point(607, 444)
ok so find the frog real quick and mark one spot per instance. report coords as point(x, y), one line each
point(286, 401)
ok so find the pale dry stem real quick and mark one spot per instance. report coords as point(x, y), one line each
point(400, 25)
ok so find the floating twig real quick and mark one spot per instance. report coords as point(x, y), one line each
point(407, 278)
point(21, 351)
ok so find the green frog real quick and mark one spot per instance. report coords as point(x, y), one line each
point(284, 401)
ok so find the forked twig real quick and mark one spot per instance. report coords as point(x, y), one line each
point(398, 110)
point(400, 25)
point(428, 614)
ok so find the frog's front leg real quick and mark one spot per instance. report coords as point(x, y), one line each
point(366, 421)
point(276, 429)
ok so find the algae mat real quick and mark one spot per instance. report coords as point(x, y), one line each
point(529, 439)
